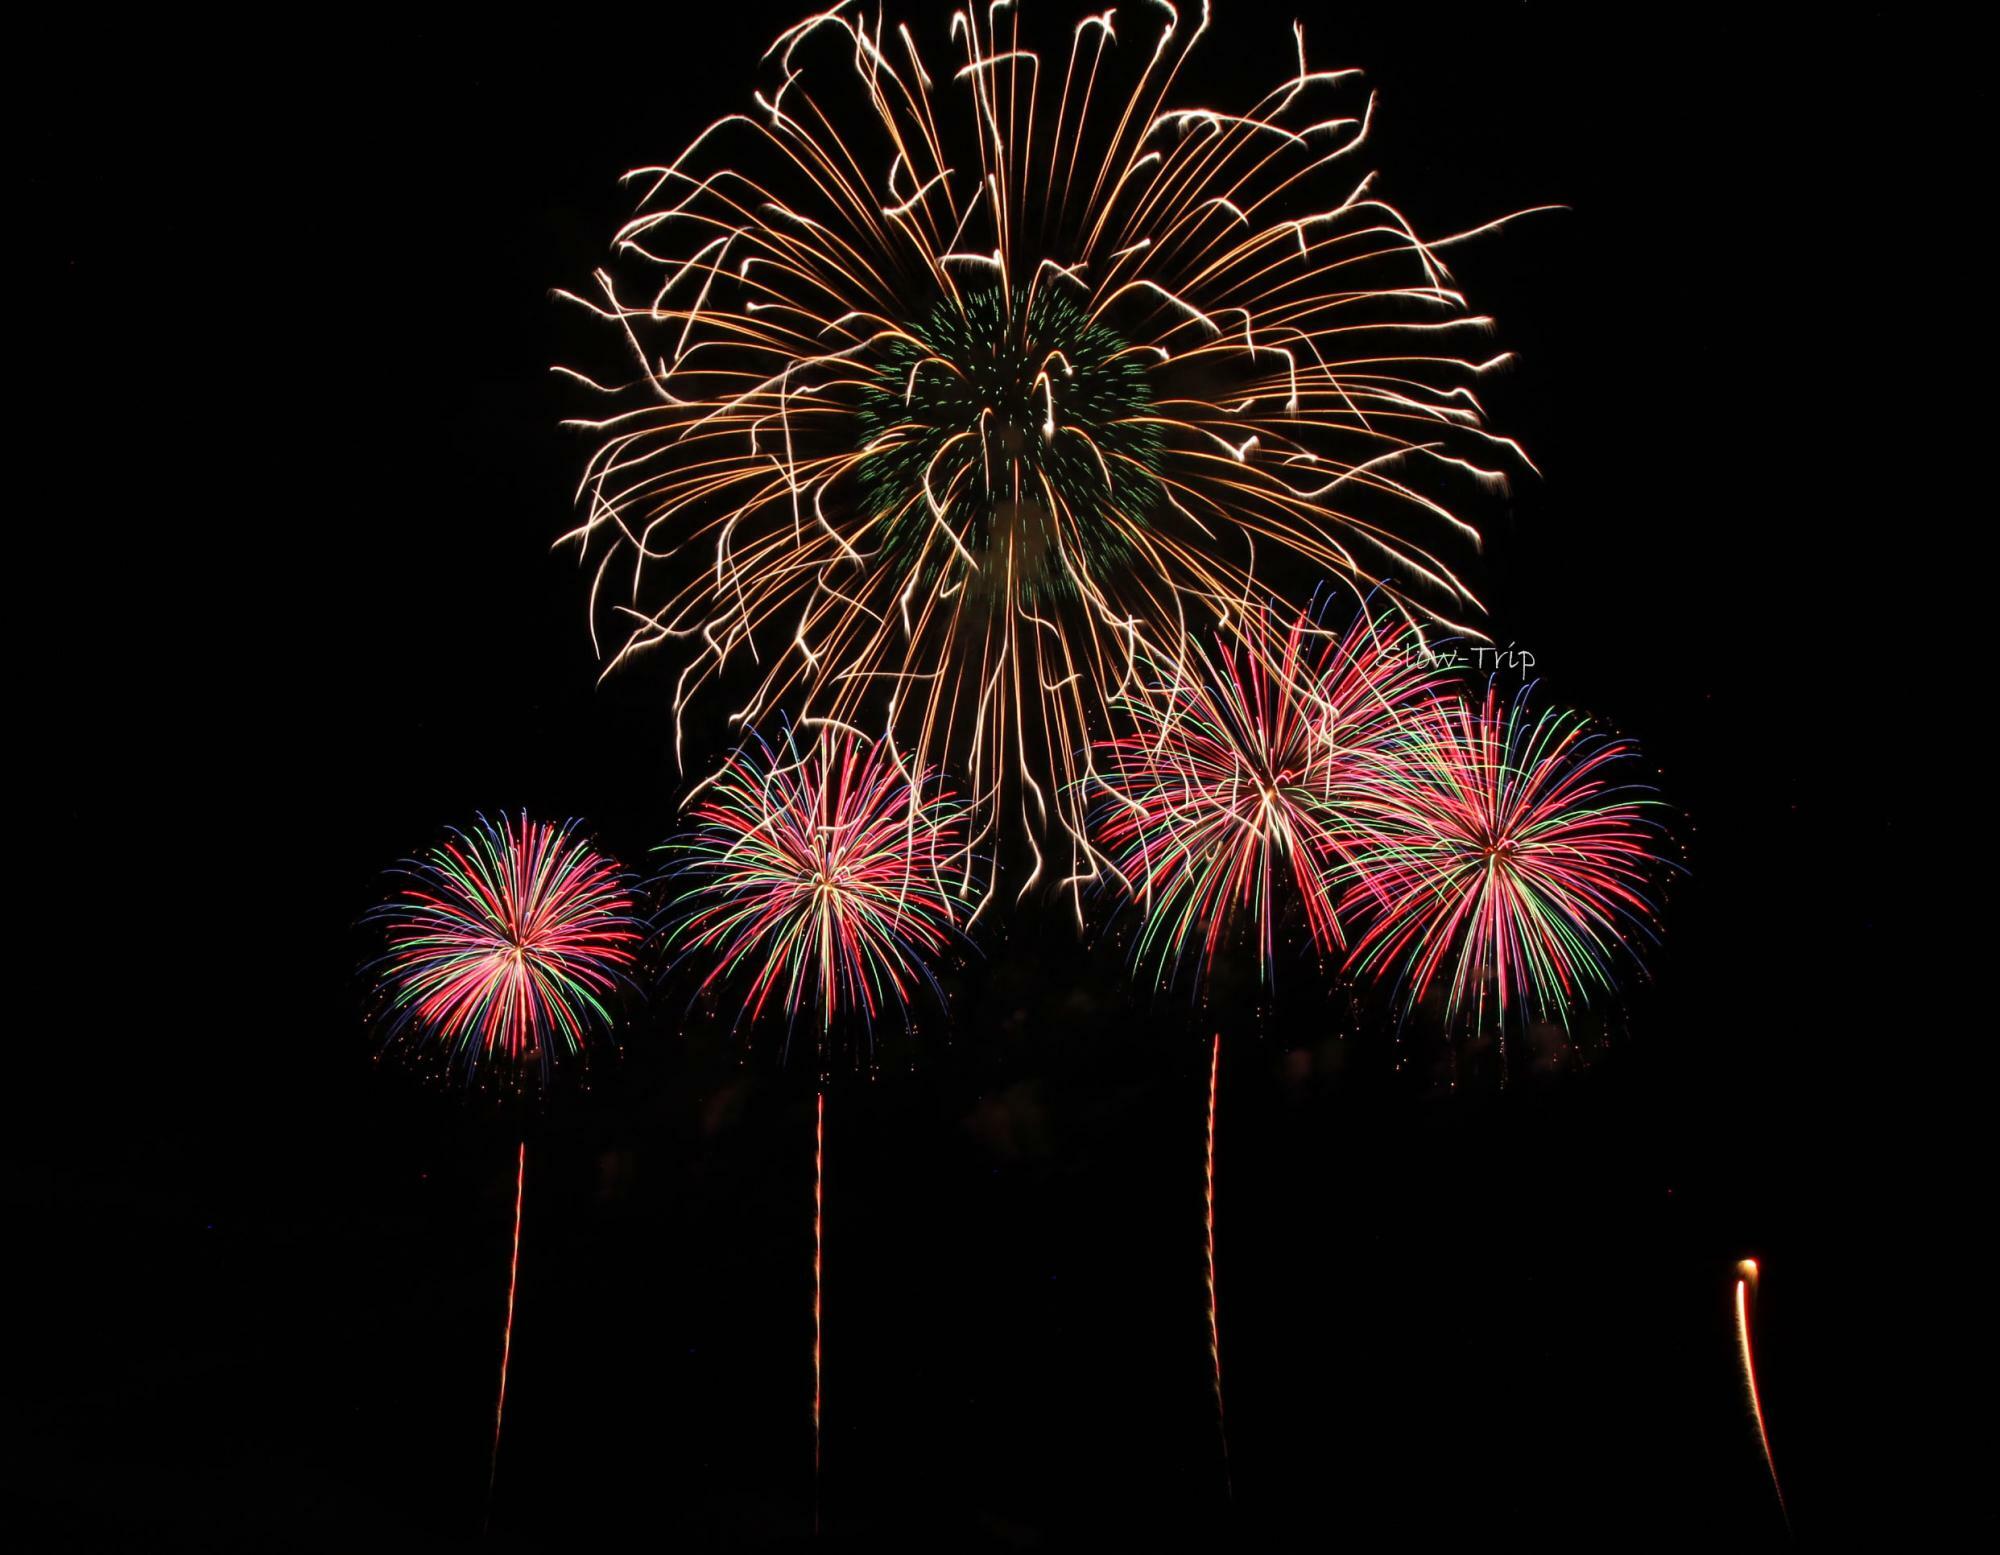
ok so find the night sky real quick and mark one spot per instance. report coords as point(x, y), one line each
point(287, 605)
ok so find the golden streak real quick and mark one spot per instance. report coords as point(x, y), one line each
point(1746, 1286)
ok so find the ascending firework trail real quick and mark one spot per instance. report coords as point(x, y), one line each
point(1746, 1299)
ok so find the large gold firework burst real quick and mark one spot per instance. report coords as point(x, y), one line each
point(961, 387)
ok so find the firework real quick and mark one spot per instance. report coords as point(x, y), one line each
point(826, 877)
point(1242, 780)
point(1504, 861)
point(1244, 774)
point(504, 947)
point(1746, 1295)
point(961, 382)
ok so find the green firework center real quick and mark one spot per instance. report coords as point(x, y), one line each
point(971, 400)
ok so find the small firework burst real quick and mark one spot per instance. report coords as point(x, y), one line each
point(505, 947)
point(1505, 861)
point(823, 873)
point(1246, 773)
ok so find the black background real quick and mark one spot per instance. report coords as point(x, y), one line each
point(286, 604)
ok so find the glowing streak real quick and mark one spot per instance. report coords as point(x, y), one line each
point(819, 1244)
point(507, 1334)
point(1208, 1216)
point(1504, 860)
point(1746, 1284)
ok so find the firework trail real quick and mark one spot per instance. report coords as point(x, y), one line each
point(1746, 1295)
point(819, 1250)
point(957, 382)
point(507, 1334)
point(1208, 1209)
point(1246, 772)
point(827, 877)
point(1504, 859)
point(504, 946)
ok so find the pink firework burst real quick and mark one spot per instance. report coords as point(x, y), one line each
point(1505, 859)
point(507, 943)
point(1242, 779)
point(825, 873)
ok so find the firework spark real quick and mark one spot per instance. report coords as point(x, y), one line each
point(504, 947)
point(1246, 772)
point(1505, 859)
point(959, 384)
point(825, 875)
point(1746, 1295)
